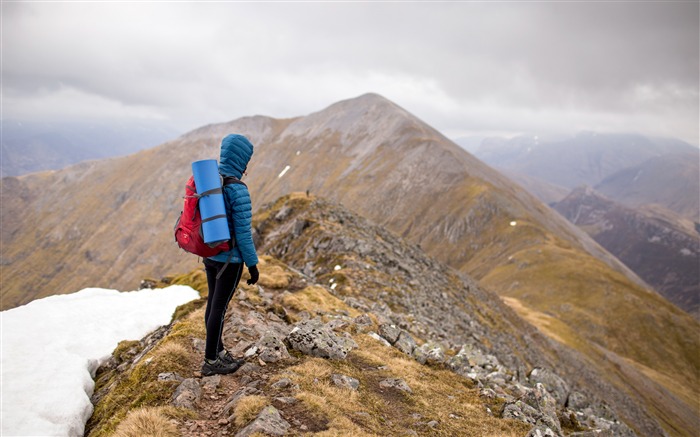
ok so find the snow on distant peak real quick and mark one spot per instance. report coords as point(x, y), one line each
point(52, 347)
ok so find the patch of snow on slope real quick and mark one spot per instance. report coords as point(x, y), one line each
point(52, 347)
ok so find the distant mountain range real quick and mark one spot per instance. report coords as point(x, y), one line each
point(672, 181)
point(654, 182)
point(631, 169)
point(29, 147)
point(113, 223)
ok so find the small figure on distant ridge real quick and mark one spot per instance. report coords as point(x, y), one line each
point(224, 270)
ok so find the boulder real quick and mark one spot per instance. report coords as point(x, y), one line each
point(405, 343)
point(312, 337)
point(542, 431)
point(233, 400)
point(395, 383)
point(520, 411)
point(545, 404)
point(211, 383)
point(363, 322)
point(271, 349)
point(282, 383)
point(338, 324)
point(459, 363)
point(187, 394)
point(577, 401)
point(379, 338)
point(389, 332)
point(552, 382)
point(268, 422)
point(429, 353)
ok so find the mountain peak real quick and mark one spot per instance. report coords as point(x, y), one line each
point(369, 103)
point(366, 99)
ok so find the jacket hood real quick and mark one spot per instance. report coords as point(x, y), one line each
point(236, 152)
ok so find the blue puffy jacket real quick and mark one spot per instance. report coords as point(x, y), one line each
point(236, 152)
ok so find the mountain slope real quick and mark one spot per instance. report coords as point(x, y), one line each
point(672, 181)
point(113, 224)
point(361, 280)
point(663, 251)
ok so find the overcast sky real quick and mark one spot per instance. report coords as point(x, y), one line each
point(465, 68)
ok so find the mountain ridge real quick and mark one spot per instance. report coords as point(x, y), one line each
point(629, 168)
point(359, 279)
point(404, 176)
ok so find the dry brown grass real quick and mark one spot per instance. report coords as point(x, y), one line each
point(248, 408)
point(316, 299)
point(438, 395)
point(272, 275)
point(344, 427)
point(146, 422)
point(548, 325)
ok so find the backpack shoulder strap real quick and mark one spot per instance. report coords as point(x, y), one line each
point(228, 180)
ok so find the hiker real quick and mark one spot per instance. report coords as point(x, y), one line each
point(236, 152)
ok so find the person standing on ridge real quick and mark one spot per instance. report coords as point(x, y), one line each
point(224, 270)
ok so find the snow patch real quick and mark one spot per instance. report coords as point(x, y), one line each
point(286, 169)
point(52, 347)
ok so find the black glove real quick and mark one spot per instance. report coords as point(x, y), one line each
point(254, 275)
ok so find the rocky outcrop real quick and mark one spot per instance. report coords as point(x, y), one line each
point(268, 422)
point(345, 381)
point(187, 394)
point(314, 338)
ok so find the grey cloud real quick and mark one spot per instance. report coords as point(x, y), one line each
point(194, 62)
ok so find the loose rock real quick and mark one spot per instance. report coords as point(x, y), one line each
point(311, 337)
point(389, 332)
point(344, 381)
point(268, 422)
point(272, 349)
point(405, 343)
point(552, 382)
point(187, 394)
point(396, 383)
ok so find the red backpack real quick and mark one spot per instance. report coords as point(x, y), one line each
point(188, 228)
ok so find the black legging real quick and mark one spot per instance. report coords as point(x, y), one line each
point(220, 293)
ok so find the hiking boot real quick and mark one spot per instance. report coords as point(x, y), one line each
point(226, 357)
point(219, 367)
